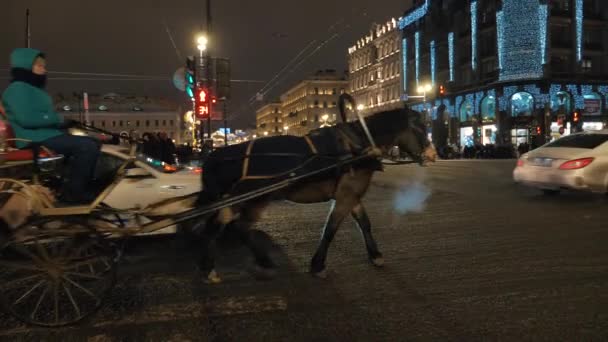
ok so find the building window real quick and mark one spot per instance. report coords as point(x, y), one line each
point(120, 123)
point(334, 91)
point(316, 91)
point(93, 123)
point(324, 104)
point(316, 104)
point(136, 123)
point(587, 65)
point(171, 123)
point(103, 124)
point(522, 104)
point(113, 123)
point(147, 123)
point(156, 123)
point(164, 122)
point(316, 118)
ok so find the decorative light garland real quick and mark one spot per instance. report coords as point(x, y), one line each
point(432, 63)
point(578, 8)
point(451, 54)
point(404, 57)
point(542, 33)
point(417, 48)
point(518, 44)
point(474, 34)
point(414, 15)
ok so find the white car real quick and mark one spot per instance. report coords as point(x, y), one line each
point(576, 162)
point(147, 181)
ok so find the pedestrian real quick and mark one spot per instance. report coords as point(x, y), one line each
point(30, 112)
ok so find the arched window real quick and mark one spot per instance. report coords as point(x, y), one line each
point(593, 104)
point(522, 104)
point(561, 103)
point(488, 108)
point(466, 111)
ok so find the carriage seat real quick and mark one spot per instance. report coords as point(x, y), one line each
point(11, 153)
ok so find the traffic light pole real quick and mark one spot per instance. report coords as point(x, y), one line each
point(208, 77)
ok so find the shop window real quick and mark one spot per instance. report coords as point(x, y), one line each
point(593, 104)
point(561, 103)
point(522, 104)
point(466, 111)
point(488, 108)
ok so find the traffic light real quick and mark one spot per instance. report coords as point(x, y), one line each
point(201, 103)
point(576, 117)
point(190, 75)
point(441, 90)
point(538, 130)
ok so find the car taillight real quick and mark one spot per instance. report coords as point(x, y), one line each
point(576, 164)
point(520, 162)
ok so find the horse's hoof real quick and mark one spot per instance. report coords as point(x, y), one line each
point(213, 278)
point(263, 273)
point(378, 262)
point(321, 274)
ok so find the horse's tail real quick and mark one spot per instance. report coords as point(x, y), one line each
point(342, 104)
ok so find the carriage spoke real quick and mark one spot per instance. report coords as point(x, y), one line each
point(84, 275)
point(56, 301)
point(69, 293)
point(20, 280)
point(20, 266)
point(25, 295)
point(33, 314)
point(81, 288)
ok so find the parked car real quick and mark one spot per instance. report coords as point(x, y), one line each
point(147, 181)
point(576, 162)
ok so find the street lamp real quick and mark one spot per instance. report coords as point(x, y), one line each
point(285, 129)
point(360, 107)
point(423, 89)
point(202, 43)
point(325, 117)
point(265, 133)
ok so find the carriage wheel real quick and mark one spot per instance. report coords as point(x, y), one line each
point(56, 271)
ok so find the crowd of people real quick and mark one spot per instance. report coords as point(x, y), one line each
point(478, 151)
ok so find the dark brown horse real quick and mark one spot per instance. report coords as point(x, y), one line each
point(344, 186)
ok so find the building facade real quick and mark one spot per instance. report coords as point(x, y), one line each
point(375, 71)
point(507, 71)
point(129, 115)
point(269, 119)
point(310, 104)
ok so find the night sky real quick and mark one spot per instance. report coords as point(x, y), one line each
point(130, 37)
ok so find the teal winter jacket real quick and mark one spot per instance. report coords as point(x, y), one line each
point(29, 109)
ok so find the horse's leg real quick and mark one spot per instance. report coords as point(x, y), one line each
point(209, 234)
point(265, 267)
point(340, 208)
point(360, 216)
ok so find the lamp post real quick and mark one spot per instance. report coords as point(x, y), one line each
point(423, 89)
point(202, 48)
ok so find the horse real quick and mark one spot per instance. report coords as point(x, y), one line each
point(345, 186)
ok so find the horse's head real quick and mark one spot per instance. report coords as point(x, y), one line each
point(413, 139)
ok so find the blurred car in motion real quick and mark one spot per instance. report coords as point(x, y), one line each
point(574, 162)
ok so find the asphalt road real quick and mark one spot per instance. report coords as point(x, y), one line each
point(480, 259)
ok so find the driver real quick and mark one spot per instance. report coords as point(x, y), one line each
point(29, 109)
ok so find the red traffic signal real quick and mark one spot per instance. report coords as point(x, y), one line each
point(576, 117)
point(441, 90)
point(201, 103)
point(538, 130)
